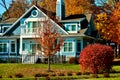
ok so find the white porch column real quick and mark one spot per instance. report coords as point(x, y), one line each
point(21, 44)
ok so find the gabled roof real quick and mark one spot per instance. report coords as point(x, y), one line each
point(82, 31)
point(39, 9)
point(72, 20)
point(88, 17)
point(75, 16)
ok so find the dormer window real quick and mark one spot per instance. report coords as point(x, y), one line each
point(71, 28)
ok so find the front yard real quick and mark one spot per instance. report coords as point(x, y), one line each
point(63, 71)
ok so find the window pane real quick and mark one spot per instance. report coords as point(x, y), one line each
point(38, 46)
point(4, 47)
point(23, 46)
point(34, 24)
point(68, 47)
point(33, 48)
point(73, 27)
point(65, 47)
point(0, 47)
point(68, 28)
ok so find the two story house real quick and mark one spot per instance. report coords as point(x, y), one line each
point(16, 39)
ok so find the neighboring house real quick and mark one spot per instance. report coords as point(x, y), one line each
point(17, 40)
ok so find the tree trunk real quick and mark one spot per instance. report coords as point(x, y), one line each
point(106, 75)
point(49, 63)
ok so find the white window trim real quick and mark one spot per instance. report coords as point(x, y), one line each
point(72, 47)
point(32, 43)
point(7, 47)
point(72, 31)
point(3, 28)
point(36, 13)
point(15, 46)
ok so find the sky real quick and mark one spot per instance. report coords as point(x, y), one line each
point(2, 10)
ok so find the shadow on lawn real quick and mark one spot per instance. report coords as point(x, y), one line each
point(117, 62)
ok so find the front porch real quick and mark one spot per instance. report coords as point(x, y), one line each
point(32, 59)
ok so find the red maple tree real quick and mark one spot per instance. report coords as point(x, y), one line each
point(49, 39)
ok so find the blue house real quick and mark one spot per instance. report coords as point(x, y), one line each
point(16, 39)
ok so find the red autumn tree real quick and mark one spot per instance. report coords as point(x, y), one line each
point(96, 57)
point(49, 39)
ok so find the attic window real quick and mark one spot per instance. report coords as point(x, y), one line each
point(71, 27)
point(34, 13)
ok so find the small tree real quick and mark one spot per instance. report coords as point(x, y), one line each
point(49, 40)
point(95, 58)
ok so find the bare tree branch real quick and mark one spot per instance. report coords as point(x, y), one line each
point(4, 5)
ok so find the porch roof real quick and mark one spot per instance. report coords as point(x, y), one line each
point(78, 35)
point(10, 37)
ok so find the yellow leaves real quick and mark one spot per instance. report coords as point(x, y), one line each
point(108, 26)
point(102, 16)
point(76, 6)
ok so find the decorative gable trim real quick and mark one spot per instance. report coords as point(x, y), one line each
point(26, 14)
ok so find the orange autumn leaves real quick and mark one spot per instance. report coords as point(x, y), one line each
point(72, 6)
point(108, 24)
point(77, 6)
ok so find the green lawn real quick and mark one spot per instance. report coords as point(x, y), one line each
point(29, 71)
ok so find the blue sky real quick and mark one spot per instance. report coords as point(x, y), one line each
point(2, 10)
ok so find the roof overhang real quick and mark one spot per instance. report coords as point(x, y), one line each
point(78, 35)
point(10, 37)
point(72, 20)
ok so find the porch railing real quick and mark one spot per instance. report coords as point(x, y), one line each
point(29, 30)
point(31, 59)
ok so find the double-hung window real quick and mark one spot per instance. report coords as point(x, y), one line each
point(34, 47)
point(71, 27)
point(68, 47)
point(32, 26)
point(3, 47)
